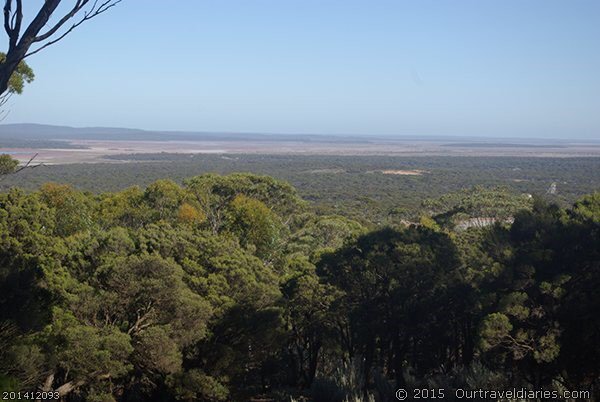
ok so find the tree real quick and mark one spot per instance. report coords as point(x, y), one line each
point(72, 208)
point(26, 40)
point(214, 193)
point(309, 319)
point(131, 296)
point(22, 75)
point(255, 224)
point(163, 197)
point(396, 307)
point(314, 235)
point(8, 164)
point(542, 323)
point(477, 206)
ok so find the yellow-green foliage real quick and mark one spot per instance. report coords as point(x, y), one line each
point(22, 75)
point(190, 215)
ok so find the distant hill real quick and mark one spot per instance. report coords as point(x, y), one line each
point(42, 131)
point(49, 132)
point(38, 132)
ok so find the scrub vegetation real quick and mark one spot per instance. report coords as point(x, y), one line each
point(233, 287)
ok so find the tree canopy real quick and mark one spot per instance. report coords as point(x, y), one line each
point(231, 288)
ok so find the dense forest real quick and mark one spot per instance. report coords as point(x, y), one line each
point(233, 287)
point(352, 186)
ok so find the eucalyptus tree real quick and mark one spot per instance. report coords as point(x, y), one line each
point(29, 31)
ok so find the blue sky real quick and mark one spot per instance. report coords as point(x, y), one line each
point(477, 68)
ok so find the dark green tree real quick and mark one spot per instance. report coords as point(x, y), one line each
point(395, 288)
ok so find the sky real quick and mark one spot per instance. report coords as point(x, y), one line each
point(504, 68)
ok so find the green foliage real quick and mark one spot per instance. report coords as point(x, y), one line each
point(315, 235)
point(125, 208)
point(85, 351)
point(189, 215)
point(125, 289)
point(231, 288)
point(22, 75)
point(195, 385)
point(214, 194)
point(72, 208)
point(158, 352)
point(254, 224)
point(389, 279)
point(495, 329)
point(7, 164)
point(309, 315)
point(163, 198)
point(588, 208)
point(337, 184)
point(495, 204)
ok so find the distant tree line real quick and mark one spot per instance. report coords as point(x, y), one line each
point(342, 185)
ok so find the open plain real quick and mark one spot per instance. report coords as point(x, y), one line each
point(98, 150)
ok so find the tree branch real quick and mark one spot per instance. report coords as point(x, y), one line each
point(27, 164)
point(78, 6)
point(140, 320)
point(88, 15)
point(12, 21)
point(69, 387)
point(20, 43)
point(22, 167)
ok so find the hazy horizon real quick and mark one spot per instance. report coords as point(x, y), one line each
point(406, 136)
point(352, 68)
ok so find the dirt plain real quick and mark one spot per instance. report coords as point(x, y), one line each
point(96, 151)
